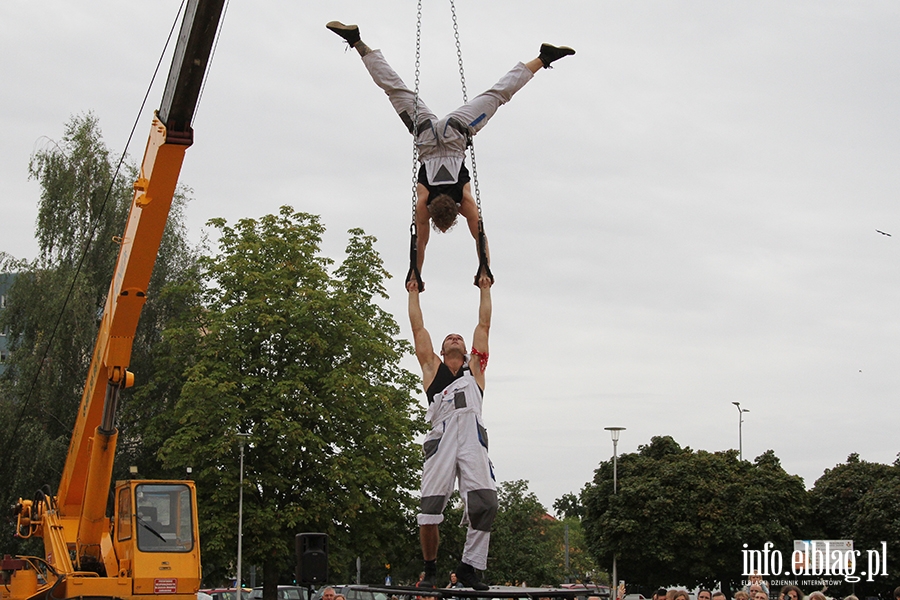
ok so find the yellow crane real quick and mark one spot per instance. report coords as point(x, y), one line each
point(150, 545)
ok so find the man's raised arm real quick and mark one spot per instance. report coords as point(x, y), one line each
point(480, 337)
point(428, 360)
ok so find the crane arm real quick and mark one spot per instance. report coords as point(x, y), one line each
point(85, 481)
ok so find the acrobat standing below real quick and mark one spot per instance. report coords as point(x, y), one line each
point(456, 447)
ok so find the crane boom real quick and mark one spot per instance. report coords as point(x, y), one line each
point(85, 554)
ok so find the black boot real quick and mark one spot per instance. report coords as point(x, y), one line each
point(468, 576)
point(551, 53)
point(430, 575)
point(350, 33)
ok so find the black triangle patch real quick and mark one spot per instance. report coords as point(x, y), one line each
point(443, 175)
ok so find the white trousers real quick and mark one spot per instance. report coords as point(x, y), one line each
point(456, 449)
point(441, 142)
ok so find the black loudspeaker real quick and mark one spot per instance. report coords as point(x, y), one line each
point(312, 558)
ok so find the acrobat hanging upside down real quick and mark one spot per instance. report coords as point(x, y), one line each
point(443, 189)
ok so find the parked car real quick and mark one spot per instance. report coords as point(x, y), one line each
point(226, 593)
point(285, 592)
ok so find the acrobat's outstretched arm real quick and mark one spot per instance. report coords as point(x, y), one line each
point(423, 220)
point(482, 331)
point(428, 360)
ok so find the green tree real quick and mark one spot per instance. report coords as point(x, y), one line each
point(54, 305)
point(835, 497)
point(568, 506)
point(877, 523)
point(860, 501)
point(581, 566)
point(522, 547)
point(527, 544)
point(307, 364)
point(682, 517)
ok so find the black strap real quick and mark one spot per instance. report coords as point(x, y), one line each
point(414, 259)
point(460, 127)
point(483, 266)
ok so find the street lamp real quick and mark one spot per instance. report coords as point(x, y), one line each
point(241, 437)
point(741, 412)
point(614, 432)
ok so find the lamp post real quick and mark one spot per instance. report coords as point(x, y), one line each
point(241, 437)
point(614, 432)
point(741, 412)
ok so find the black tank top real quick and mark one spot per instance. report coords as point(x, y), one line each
point(442, 379)
point(454, 190)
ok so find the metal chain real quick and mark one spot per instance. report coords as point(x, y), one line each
point(459, 59)
point(415, 132)
point(462, 80)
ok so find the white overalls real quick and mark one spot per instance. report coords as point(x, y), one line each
point(442, 144)
point(456, 447)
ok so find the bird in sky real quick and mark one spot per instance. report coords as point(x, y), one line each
point(883, 233)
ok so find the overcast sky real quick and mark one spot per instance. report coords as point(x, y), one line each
point(682, 216)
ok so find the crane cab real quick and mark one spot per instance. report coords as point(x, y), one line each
point(156, 537)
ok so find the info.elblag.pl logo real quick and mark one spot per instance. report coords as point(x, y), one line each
point(817, 558)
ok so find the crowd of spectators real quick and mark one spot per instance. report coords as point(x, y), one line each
point(755, 589)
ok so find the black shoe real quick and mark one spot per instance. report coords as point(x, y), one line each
point(468, 576)
point(350, 33)
point(551, 53)
point(430, 576)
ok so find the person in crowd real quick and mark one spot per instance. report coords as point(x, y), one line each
point(454, 582)
point(422, 584)
point(756, 579)
point(790, 592)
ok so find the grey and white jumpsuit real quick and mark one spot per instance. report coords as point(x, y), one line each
point(442, 142)
point(457, 447)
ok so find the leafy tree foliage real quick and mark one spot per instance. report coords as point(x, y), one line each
point(307, 364)
point(860, 501)
point(682, 517)
point(522, 547)
point(81, 207)
point(582, 567)
point(836, 495)
point(568, 506)
point(527, 544)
